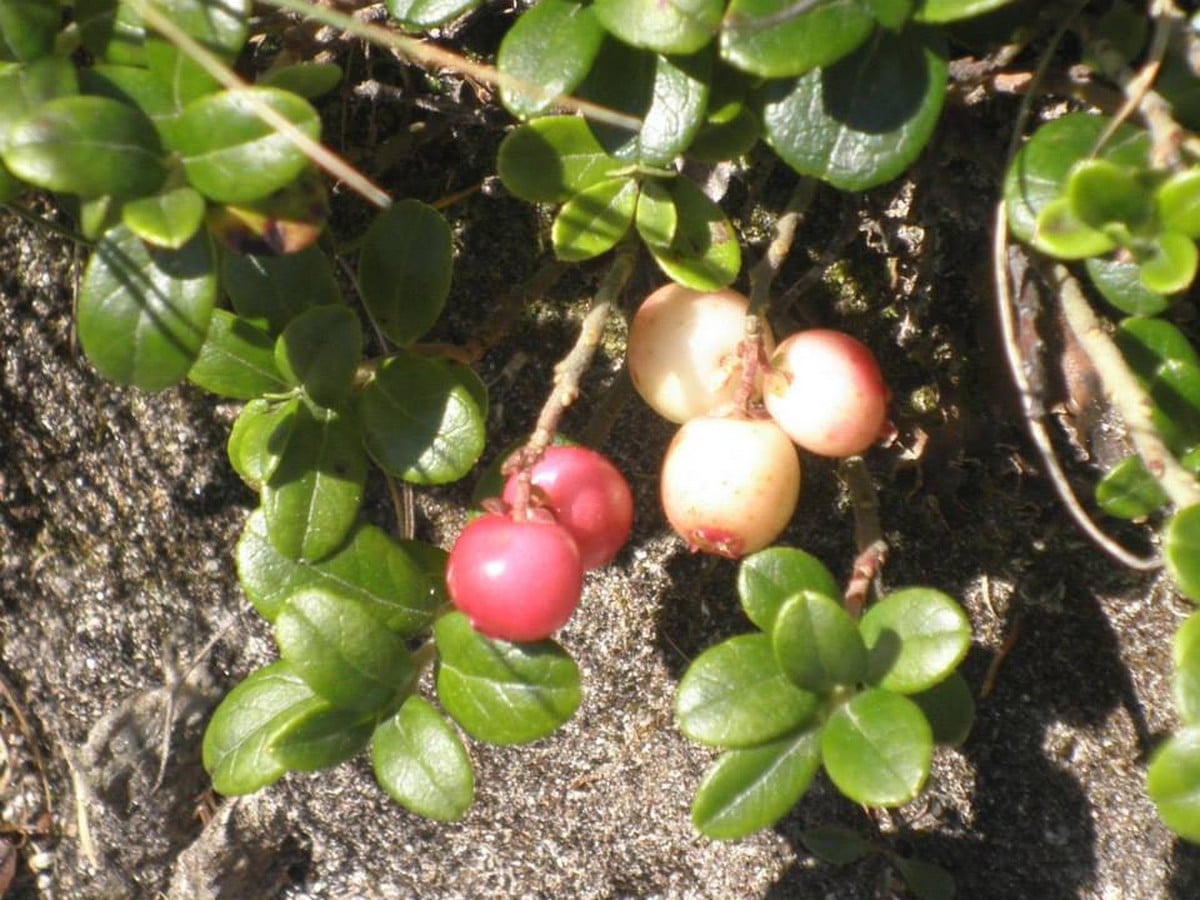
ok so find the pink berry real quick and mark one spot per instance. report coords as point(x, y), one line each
point(588, 496)
point(515, 580)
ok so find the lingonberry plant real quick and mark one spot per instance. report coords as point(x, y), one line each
point(206, 216)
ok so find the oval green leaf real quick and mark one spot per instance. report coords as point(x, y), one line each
point(1151, 345)
point(1178, 201)
point(421, 15)
point(501, 692)
point(237, 359)
point(320, 350)
point(308, 79)
point(1100, 192)
point(144, 313)
point(422, 764)
point(926, 880)
point(1169, 266)
point(1173, 782)
point(915, 637)
point(735, 695)
point(705, 254)
point(405, 268)
point(258, 438)
point(111, 31)
point(657, 219)
point(877, 748)
point(673, 26)
point(760, 37)
point(1059, 232)
point(767, 579)
point(949, 707)
point(1129, 491)
point(320, 737)
point(953, 10)
point(1185, 682)
point(594, 220)
point(422, 420)
point(28, 28)
point(26, 88)
point(835, 844)
point(551, 159)
point(863, 120)
point(552, 46)
point(169, 219)
point(817, 644)
point(1181, 550)
point(220, 28)
point(341, 651)
point(278, 288)
point(753, 788)
point(231, 155)
point(1119, 281)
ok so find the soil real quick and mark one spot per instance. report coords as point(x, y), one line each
point(121, 610)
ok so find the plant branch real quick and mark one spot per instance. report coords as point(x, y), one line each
point(868, 533)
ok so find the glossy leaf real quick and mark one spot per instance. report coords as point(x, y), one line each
point(729, 133)
point(220, 28)
point(1129, 491)
point(675, 26)
point(767, 579)
point(877, 748)
point(421, 15)
point(278, 288)
point(1119, 281)
point(705, 254)
point(88, 146)
point(143, 313)
point(1181, 550)
point(111, 31)
point(753, 788)
point(311, 500)
point(835, 844)
point(422, 764)
point(1170, 265)
point(136, 87)
point(1100, 191)
point(237, 359)
point(422, 419)
point(341, 651)
point(953, 10)
point(1178, 201)
point(404, 269)
point(759, 37)
point(26, 88)
point(501, 692)
point(926, 880)
point(594, 220)
point(258, 438)
point(949, 707)
point(657, 219)
point(308, 79)
point(379, 573)
point(1059, 232)
point(235, 749)
point(863, 120)
point(1185, 681)
point(552, 45)
point(1173, 782)
point(892, 14)
point(551, 159)
point(1150, 345)
point(28, 28)
point(320, 350)
point(231, 155)
point(169, 219)
point(915, 638)
point(735, 695)
point(817, 644)
point(321, 737)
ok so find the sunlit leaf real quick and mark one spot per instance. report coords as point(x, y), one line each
point(421, 763)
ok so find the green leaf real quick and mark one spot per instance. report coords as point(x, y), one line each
point(1151, 345)
point(727, 133)
point(278, 288)
point(501, 692)
point(756, 37)
point(28, 28)
point(312, 497)
point(231, 155)
point(320, 737)
point(1178, 200)
point(1170, 263)
point(422, 419)
point(877, 748)
point(421, 15)
point(308, 79)
point(382, 575)
point(134, 86)
point(817, 643)
point(405, 268)
point(320, 350)
point(143, 313)
point(1185, 682)
point(594, 220)
point(1129, 491)
point(751, 789)
point(341, 650)
point(422, 764)
point(674, 26)
point(1173, 782)
point(220, 28)
point(953, 10)
point(1119, 281)
point(26, 88)
point(767, 579)
point(552, 45)
point(235, 750)
point(551, 159)
point(926, 880)
point(949, 707)
point(111, 31)
point(915, 638)
point(168, 219)
point(87, 146)
point(735, 695)
point(1059, 232)
point(1100, 192)
point(237, 359)
point(258, 438)
point(656, 217)
point(1181, 549)
point(863, 120)
point(668, 94)
point(891, 14)
point(705, 254)
point(835, 844)
point(1038, 173)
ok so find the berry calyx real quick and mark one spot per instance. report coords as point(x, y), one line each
point(516, 580)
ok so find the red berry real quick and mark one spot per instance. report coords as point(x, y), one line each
point(515, 580)
point(589, 497)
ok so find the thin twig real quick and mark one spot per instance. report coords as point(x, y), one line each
point(868, 533)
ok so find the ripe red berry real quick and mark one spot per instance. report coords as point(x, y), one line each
point(589, 497)
point(515, 580)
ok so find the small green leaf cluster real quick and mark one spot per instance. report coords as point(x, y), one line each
point(812, 687)
point(842, 846)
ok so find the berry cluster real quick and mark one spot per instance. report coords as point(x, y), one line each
point(731, 476)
